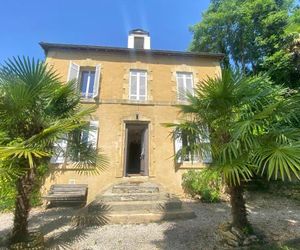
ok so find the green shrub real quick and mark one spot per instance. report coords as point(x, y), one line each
point(8, 199)
point(205, 184)
point(8, 192)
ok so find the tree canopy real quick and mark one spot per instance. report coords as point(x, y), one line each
point(254, 35)
point(247, 124)
point(36, 110)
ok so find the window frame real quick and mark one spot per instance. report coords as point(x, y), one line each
point(139, 41)
point(203, 158)
point(184, 73)
point(87, 95)
point(62, 143)
point(196, 157)
point(138, 96)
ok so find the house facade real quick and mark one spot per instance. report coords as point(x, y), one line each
point(136, 90)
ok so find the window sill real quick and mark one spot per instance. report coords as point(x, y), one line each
point(88, 100)
point(184, 102)
point(192, 165)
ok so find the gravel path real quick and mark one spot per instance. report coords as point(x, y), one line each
point(278, 218)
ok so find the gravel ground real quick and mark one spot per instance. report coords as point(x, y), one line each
point(277, 218)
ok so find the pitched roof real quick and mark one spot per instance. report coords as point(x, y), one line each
point(46, 46)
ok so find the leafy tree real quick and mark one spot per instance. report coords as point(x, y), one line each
point(36, 110)
point(249, 123)
point(254, 35)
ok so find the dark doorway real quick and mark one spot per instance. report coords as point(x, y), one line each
point(136, 149)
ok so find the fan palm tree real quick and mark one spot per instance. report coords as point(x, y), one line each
point(247, 125)
point(36, 110)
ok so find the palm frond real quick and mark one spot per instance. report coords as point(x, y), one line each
point(278, 160)
point(22, 151)
point(235, 172)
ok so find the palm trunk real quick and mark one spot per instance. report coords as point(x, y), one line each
point(22, 207)
point(238, 207)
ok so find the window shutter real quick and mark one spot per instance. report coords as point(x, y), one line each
point(189, 84)
point(60, 149)
point(143, 85)
point(178, 146)
point(73, 71)
point(93, 133)
point(97, 81)
point(180, 87)
point(133, 86)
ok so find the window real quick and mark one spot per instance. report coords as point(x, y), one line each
point(83, 139)
point(87, 82)
point(139, 42)
point(184, 85)
point(182, 147)
point(87, 79)
point(138, 85)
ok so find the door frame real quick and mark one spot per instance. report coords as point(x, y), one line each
point(147, 142)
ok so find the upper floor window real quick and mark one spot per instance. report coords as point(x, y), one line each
point(138, 85)
point(87, 83)
point(184, 85)
point(88, 79)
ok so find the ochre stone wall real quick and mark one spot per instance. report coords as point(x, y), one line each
point(114, 108)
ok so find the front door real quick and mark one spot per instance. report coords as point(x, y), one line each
point(136, 149)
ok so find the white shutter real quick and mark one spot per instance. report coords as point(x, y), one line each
point(60, 148)
point(97, 81)
point(142, 85)
point(178, 146)
point(180, 87)
point(93, 133)
point(133, 85)
point(73, 71)
point(189, 84)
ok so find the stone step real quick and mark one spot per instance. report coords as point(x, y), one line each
point(134, 218)
point(132, 197)
point(138, 206)
point(134, 189)
point(135, 202)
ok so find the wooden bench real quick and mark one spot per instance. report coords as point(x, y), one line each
point(66, 193)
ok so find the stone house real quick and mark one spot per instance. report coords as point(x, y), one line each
point(136, 90)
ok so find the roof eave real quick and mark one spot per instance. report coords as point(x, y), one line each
point(47, 46)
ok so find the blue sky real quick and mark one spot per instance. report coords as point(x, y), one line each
point(100, 22)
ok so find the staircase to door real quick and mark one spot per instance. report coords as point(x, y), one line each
point(138, 202)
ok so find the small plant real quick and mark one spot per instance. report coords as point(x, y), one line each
point(204, 183)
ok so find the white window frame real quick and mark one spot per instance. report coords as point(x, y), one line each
point(138, 96)
point(75, 73)
point(93, 138)
point(204, 157)
point(185, 74)
point(87, 95)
